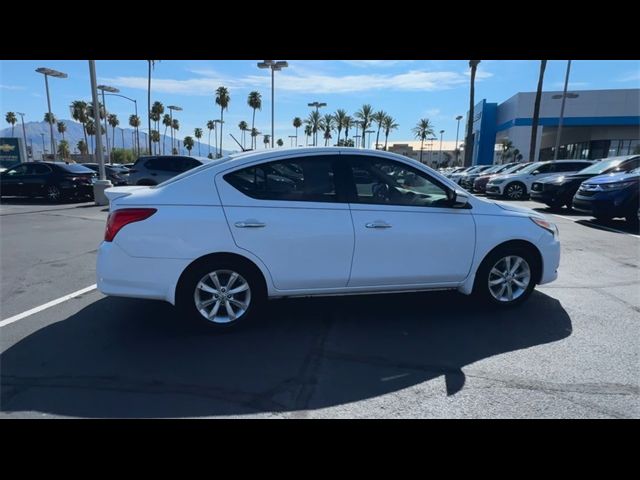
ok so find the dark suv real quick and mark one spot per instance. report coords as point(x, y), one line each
point(152, 170)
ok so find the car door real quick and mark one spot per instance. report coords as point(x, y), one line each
point(13, 180)
point(35, 182)
point(292, 215)
point(406, 231)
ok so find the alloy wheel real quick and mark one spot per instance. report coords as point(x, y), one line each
point(222, 296)
point(509, 278)
point(53, 193)
point(515, 191)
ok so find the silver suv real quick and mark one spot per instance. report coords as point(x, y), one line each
point(155, 169)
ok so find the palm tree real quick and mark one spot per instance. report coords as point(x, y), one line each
point(211, 125)
point(155, 138)
point(134, 121)
point(314, 121)
point(62, 127)
point(468, 152)
point(157, 109)
point(188, 143)
point(297, 123)
point(243, 128)
point(347, 123)
point(155, 117)
point(378, 117)
point(222, 98)
point(79, 114)
point(50, 118)
point(254, 135)
point(507, 149)
point(11, 118)
point(113, 121)
point(421, 131)
point(63, 149)
point(90, 126)
point(339, 117)
point(166, 121)
point(388, 124)
point(365, 116)
point(198, 134)
point(280, 142)
point(307, 133)
point(266, 141)
point(175, 125)
point(327, 127)
point(82, 146)
point(152, 64)
point(255, 101)
point(536, 112)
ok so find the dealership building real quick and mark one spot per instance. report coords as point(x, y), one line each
point(596, 124)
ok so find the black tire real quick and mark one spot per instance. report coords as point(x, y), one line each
point(481, 289)
point(555, 206)
point(601, 218)
point(515, 191)
point(185, 292)
point(53, 194)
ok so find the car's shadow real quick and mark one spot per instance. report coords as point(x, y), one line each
point(38, 201)
point(589, 221)
point(135, 358)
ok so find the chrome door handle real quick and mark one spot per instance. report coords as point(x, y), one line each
point(250, 224)
point(378, 225)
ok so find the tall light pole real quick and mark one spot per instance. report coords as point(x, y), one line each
point(171, 109)
point(431, 140)
point(369, 142)
point(440, 153)
point(135, 105)
point(356, 136)
point(24, 137)
point(100, 185)
point(458, 118)
point(318, 105)
point(564, 96)
point(48, 72)
point(275, 67)
point(292, 137)
point(106, 88)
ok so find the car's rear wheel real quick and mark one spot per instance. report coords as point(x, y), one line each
point(506, 277)
point(515, 191)
point(53, 194)
point(221, 295)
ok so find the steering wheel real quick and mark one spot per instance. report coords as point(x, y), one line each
point(380, 192)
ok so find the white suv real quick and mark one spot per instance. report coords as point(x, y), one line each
point(220, 239)
point(516, 186)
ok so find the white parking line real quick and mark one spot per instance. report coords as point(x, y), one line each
point(52, 303)
point(595, 225)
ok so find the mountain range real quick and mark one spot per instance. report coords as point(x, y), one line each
point(74, 133)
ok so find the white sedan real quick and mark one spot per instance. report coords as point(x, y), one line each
point(220, 239)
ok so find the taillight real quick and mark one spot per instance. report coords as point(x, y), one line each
point(120, 218)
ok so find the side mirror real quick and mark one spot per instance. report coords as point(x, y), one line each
point(459, 199)
point(535, 172)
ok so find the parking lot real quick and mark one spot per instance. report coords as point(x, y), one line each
point(571, 351)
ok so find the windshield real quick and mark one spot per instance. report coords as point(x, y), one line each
point(516, 168)
point(635, 170)
point(601, 167)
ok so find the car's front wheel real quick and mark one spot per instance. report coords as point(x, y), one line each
point(515, 191)
point(221, 294)
point(506, 277)
point(53, 194)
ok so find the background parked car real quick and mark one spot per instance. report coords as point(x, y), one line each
point(558, 190)
point(152, 170)
point(54, 180)
point(458, 175)
point(114, 175)
point(610, 196)
point(6, 164)
point(480, 183)
point(516, 186)
point(466, 180)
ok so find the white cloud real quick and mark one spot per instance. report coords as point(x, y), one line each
point(413, 80)
point(12, 87)
point(632, 77)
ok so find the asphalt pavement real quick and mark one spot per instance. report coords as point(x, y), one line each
point(571, 351)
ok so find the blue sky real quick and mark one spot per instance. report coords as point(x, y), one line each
point(408, 90)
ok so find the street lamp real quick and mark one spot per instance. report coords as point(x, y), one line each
point(275, 67)
point(430, 144)
point(292, 137)
point(318, 105)
point(24, 137)
point(171, 109)
point(440, 154)
point(135, 105)
point(105, 88)
point(103, 183)
point(564, 96)
point(458, 118)
point(369, 142)
point(48, 72)
point(357, 137)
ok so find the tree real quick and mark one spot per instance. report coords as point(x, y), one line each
point(315, 122)
point(188, 143)
point(378, 117)
point(347, 123)
point(421, 131)
point(157, 109)
point(468, 152)
point(166, 121)
point(151, 64)
point(63, 149)
point(112, 120)
point(79, 114)
point(307, 133)
point(389, 124)
point(243, 128)
point(327, 126)
point(211, 125)
point(82, 146)
point(155, 138)
point(50, 118)
point(254, 100)
point(198, 134)
point(280, 142)
point(134, 121)
point(91, 131)
point(297, 123)
point(11, 118)
point(536, 112)
point(507, 149)
point(364, 115)
point(222, 98)
point(62, 127)
point(266, 140)
point(175, 125)
point(254, 136)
